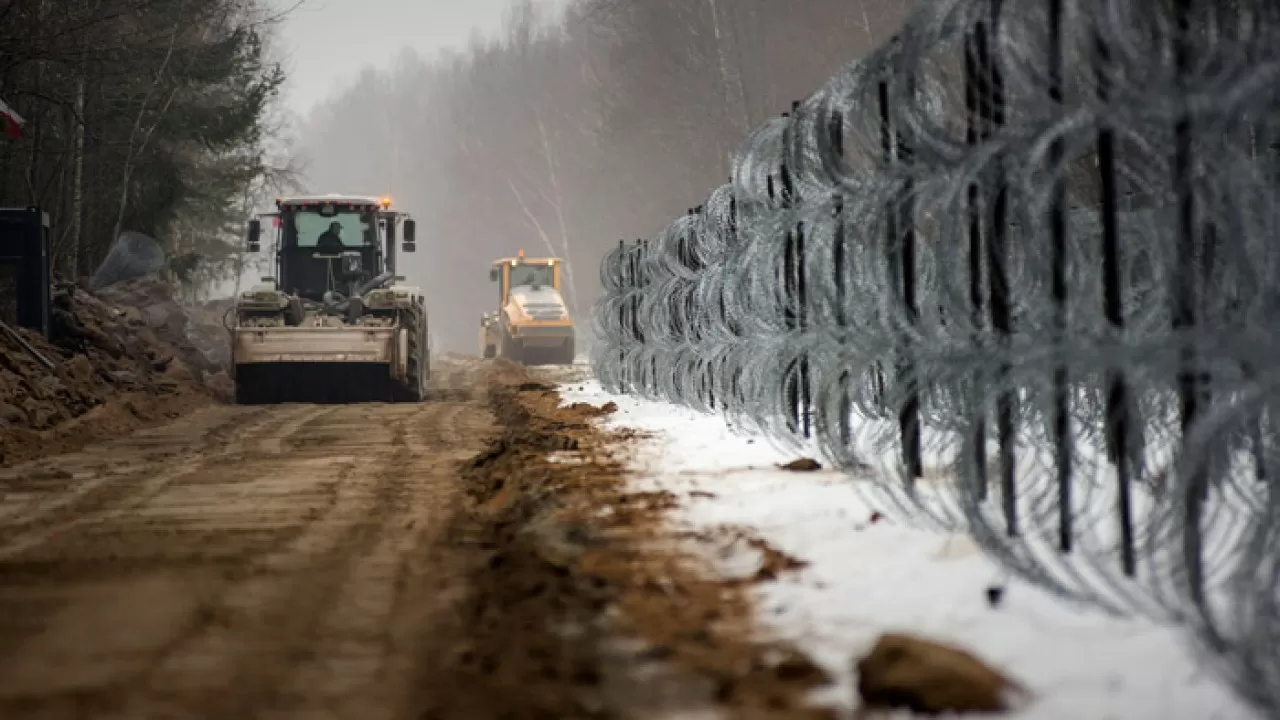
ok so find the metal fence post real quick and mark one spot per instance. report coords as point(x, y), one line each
point(735, 383)
point(804, 390)
point(976, 132)
point(623, 288)
point(1117, 412)
point(997, 256)
point(1186, 300)
point(835, 131)
point(902, 254)
point(1058, 269)
point(781, 193)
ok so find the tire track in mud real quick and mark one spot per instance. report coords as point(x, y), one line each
point(359, 649)
point(40, 498)
point(282, 569)
point(418, 562)
point(172, 538)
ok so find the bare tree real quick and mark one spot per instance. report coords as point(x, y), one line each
point(146, 115)
point(570, 132)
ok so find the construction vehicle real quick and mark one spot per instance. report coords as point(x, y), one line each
point(532, 325)
point(335, 323)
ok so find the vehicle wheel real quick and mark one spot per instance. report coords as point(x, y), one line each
point(417, 368)
point(565, 355)
point(489, 352)
point(511, 349)
point(426, 349)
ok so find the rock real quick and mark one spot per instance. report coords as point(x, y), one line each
point(124, 377)
point(45, 416)
point(197, 360)
point(159, 315)
point(79, 370)
point(182, 373)
point(9, 381)
point(10, 415)
point(131, 336)
point(904, 672)
point(803, 465)
point(132, 317)
point(133, 256)
point(52, 386)
point(222, 386)
point(102, 340)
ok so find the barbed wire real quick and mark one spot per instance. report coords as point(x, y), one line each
point(1015, 272)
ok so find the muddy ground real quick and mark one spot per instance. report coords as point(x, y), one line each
point(476, 556)
point(126, 357)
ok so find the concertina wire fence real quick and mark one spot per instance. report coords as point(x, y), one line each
point(1016, 271)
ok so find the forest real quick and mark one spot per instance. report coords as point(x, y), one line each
point(572, 128)
point(155, 116)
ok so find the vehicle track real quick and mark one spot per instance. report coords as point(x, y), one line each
point(241, 562)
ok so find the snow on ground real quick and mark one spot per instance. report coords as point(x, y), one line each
point(865, 579)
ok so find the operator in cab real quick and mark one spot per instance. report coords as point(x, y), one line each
point(330, 241)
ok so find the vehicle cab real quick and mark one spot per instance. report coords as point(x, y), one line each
point(332, 243)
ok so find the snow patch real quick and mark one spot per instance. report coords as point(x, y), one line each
point(867, 575)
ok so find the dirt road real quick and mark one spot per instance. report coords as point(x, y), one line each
point(265, 562)
point(451, 560)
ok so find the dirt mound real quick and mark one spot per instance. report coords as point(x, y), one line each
point(129, 346)
point(803, 465)
point(584, 606)
point(196, 335)
point(929, 678)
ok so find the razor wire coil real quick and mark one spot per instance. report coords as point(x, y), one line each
point(1016, 271)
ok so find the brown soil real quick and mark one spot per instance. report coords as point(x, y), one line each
point(287, 561)
point(586, 606)
point(803, 465)
point(475, 556)
point(125, 358)
point(931, 678)
point(116, 417)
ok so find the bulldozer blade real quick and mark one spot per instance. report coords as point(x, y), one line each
point(314, 383)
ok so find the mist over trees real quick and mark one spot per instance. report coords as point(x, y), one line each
point(157, 116)
point(565, 133)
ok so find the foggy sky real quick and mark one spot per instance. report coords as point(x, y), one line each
point(560, 138)
point(325, 43)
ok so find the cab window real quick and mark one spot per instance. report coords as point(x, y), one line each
point(523, 275)
point(358, 228)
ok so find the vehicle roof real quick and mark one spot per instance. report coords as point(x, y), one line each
point(526, 260)
point(331, 197)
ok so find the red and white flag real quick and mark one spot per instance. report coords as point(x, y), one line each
point(11, 121)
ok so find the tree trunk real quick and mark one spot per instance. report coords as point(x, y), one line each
point(77, 184)
point(37, 119)
point(131, 153)
point(725, 79)
point(554, 176)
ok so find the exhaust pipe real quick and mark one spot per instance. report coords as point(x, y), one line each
point(339, 303)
